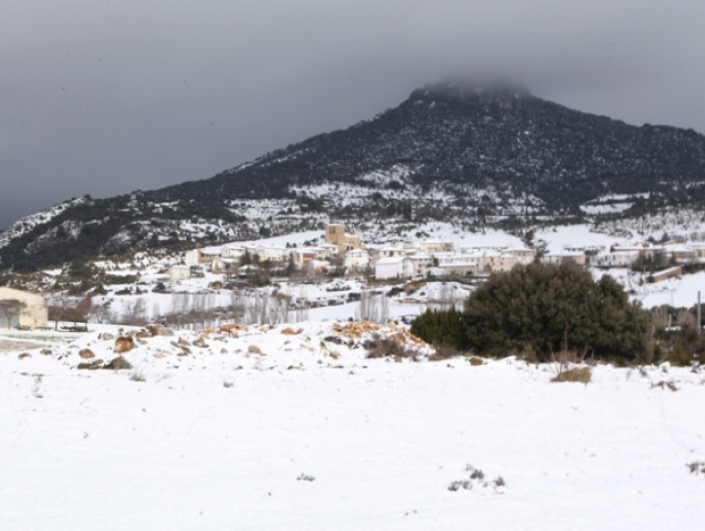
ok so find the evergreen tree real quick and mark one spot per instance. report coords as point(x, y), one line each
point(554, 308)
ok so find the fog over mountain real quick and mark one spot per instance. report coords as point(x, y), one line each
point(109, 97)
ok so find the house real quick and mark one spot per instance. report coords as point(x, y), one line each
point(193, 257)
point(270, 253)
point(615, 259)
point(179, 272)
point(420, 264)
point(21, 308)
point(524, 255)
point(435, 246)
point(459, 269)
point(393, 267)
point(318, 266)
point(356, 260)
point(667, 273)
point(488, 260)
point(380, 253)
point(303, 256)
point(224, 265)
point(232, 251)
point(564, 257)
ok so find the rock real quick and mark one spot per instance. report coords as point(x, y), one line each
point(291, 332)
point(24, 355)
point(107, 336)
point(159, 330)
point(91, 365)
point(254, 349)
point(143, 334)
point(86, 353)
point(223, 350)
point(232, 328)
point(182, 342)
point(124, 344)
point(46, 351)
point(118, 364)
point(200, 342)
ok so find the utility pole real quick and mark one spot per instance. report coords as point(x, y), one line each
point(700, 325)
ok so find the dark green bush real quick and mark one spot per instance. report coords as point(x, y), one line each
point(443, 327)
point(550, 309)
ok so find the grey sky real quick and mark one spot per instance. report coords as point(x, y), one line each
point(104, 97)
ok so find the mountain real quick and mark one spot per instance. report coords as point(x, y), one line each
point(473, 155)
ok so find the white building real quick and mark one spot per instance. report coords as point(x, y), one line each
point(564, 257)
point(435, 246)
point(524, 255)
point(420, 264)
point(394, 267)
point(356, 260)
point(380, 253)
point(179, 272)
point(618, 259)
point(24, 309)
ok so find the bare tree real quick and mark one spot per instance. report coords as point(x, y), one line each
point(373, 307)
point(134, 312)
point(11, 309)
point(100, 311)
point(238, 306)
point(60, 308)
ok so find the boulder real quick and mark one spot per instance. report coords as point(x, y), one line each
point(124, 344)
point(159, 330)
point(200, 342)
point(86, 353)
point(91, 365)
point(118, 364)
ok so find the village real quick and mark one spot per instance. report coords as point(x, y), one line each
point(334, 254)
point(345, 254)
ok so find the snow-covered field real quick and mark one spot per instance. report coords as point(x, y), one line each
point(295, 429)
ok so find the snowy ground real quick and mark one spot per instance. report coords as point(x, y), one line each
point(311, 435)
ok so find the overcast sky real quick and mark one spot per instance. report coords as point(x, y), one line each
point(103, 97)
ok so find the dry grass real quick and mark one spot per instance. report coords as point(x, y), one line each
point(576, 374)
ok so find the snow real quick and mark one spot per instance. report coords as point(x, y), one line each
point(294, 439)
point(678, 291)
point(609, 208)
point(559, 237)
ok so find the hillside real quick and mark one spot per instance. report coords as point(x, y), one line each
point(452, 152)
point(268, 429)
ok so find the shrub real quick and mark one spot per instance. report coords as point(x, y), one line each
point(442, 327)
point(379, 346)
point(556, 308)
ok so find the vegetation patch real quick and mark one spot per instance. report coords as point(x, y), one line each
point(476, 481)
point(576, 374)
point(541, 309)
